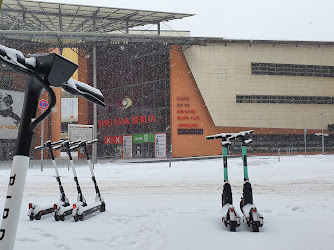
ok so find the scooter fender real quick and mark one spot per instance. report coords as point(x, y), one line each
point(76, 207)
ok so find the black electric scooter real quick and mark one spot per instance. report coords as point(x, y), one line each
point(80, 211)
point(36, 211)
point(61, 212)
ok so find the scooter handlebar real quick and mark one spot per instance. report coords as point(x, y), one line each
point(56, 143)
point(219, 136)
point(39, 147)
point(67, 144)
point(16, 59)
point(74, 148)
point(92, 141)
point(55, 70)
point(45, 144)
point(88, 92)
point(57, 147)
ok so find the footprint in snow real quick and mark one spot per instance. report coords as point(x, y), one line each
point(61, 246)
point(25, 239)
point(298, 209)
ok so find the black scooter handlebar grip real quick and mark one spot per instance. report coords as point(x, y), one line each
point(57, 143)
point(92, 141)
point(2, 52)
point(57, 147)
point(75, 142)
point(39, 147)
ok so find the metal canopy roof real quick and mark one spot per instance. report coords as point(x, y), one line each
point(44, 16)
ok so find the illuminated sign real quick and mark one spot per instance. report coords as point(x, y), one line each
point(140, 138)
point(113, 140)
point(127, 146)
point(127, 121)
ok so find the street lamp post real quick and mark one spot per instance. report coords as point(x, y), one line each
point(322, 132)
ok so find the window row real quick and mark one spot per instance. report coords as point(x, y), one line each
point(284, 99)
point(292, 69)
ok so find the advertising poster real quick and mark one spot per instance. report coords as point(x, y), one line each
point(127, 146)
point(11, 103)
point(160, 145)
point(69, 107)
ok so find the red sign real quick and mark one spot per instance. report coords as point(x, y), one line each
point(43, 104)
point(113, 140)
point(126, 121)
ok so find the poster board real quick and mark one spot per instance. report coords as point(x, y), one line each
point(11, 104)
point(160, 144)
point(80, 132)
point(127, 146)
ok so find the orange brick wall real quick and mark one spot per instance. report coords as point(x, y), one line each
point(182, 84)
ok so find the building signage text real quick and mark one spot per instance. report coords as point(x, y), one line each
point(187, 116)
point(127, 121)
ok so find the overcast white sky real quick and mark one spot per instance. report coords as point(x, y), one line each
point(305, 20)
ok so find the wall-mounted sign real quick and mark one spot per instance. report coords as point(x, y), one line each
point(113, 140)
point(125, 102)
point(11, 103)
point(126, 121)
point(127, 146)
point(190, 131)
point(160, 145)
point(69, 107)
point(141, 138)
point(80, 132)
point(43, 104)
point(187, 118)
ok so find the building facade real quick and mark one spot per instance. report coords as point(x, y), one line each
point(276, 88)
point(164, 97)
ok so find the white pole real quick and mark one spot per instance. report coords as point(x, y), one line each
point(42, 141)
point(170, 156)
point(94, 146)
point(11, 214)
point(305, 141)
point(322, 132)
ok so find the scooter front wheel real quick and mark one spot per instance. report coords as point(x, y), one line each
point(75, 217)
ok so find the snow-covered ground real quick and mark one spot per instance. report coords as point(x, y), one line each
point(152, 206)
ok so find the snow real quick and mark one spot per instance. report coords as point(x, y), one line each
point(74, 84)
point(13, 55)
point(152, 206)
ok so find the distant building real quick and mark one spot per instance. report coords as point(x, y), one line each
point(277, 88)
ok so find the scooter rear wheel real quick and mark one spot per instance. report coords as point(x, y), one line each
point(256, 226)
point(103, 207)
point(233, 226)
